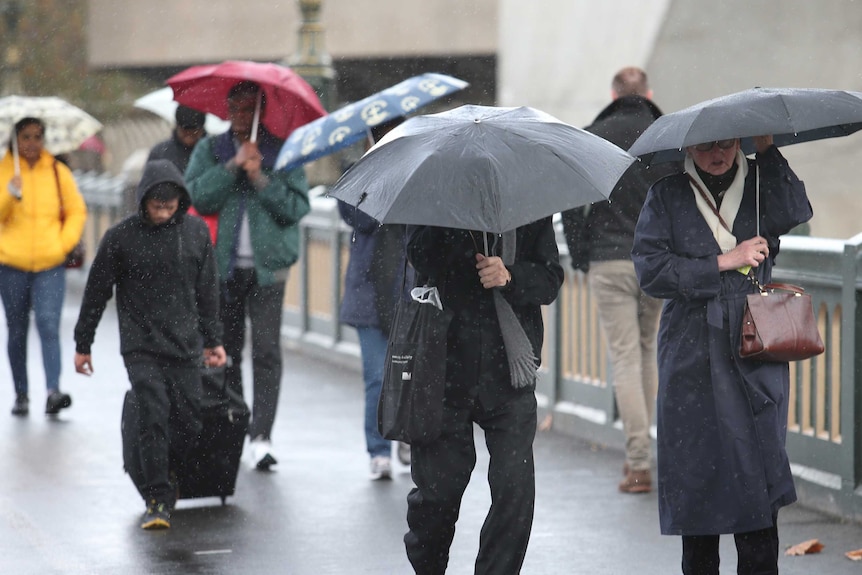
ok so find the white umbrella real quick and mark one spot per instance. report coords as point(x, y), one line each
point(66, 125)
point(162, 104)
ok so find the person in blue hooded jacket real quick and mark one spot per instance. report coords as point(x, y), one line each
point(161, 264)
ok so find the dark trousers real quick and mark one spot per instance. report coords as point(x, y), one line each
point(441, 471)
point(169, 420)
point(757, 553)
point(243, 297)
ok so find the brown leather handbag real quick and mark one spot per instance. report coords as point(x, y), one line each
point(778, 324)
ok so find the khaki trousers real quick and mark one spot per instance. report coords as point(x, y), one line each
point(629, 320)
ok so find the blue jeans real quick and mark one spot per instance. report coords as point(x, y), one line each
point(372, 344)
point(43, 293)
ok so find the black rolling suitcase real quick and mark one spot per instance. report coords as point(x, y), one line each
point(212, 465)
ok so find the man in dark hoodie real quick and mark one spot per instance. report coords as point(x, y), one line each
point(164, 271)
point(599, 239)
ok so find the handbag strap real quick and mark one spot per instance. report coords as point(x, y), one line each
point(710, 203)
point(763, 289)
point(59, 191)
point(786, 287)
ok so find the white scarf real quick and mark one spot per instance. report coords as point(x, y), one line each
point(729, 205)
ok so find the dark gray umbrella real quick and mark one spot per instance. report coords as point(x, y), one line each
point(790, 115)
point(481, 168)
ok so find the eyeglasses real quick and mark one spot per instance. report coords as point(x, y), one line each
point(722, 145)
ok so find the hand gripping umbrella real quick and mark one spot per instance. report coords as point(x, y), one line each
point(790, 115)
point(481, 168)
point(290, 100)
point(352, 123)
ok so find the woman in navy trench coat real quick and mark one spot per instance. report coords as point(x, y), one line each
point(722, 420)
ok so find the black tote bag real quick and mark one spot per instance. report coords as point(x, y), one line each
point(410, 408)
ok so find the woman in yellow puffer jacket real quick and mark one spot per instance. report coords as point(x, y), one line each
point(34, 240)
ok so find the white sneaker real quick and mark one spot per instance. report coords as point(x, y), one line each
point(403, 453)
point(261, 453)
point(381, 468)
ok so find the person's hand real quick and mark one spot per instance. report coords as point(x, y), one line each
point(215, 356)
point(762, 143)
point(83, 363)
point(14, 187)
point(751, 252)
point(492, 271)
point(248, 158)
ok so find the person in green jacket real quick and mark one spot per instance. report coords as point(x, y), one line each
point(258, 209)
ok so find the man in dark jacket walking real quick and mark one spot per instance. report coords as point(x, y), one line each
point(187, 133)
point(496, 329)
point(164, 271)
point(599, 239)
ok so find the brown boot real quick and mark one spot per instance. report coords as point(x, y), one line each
point(636, 481)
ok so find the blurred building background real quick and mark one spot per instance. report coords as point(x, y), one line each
point(556, 55)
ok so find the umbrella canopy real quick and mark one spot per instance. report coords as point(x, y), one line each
point(290, 100)
point(481, 168)
point(790, 115)
point(161, 103)
point(351, 123)
point(66, 125)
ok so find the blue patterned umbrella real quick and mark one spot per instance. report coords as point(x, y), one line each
point(349, 124)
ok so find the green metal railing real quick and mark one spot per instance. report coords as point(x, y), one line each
point(576, 385)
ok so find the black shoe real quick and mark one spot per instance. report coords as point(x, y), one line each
point(22, 405)
point(158, 516)
point(57, 401)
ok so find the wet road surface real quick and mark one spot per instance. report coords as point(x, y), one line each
point(67, 507)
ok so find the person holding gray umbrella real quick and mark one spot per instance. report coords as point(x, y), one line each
point(494, 342)
point(722, 419)
point(477, 187)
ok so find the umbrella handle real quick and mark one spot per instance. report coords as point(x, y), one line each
point(757, 196)
point(256, 120)
point(15, 157)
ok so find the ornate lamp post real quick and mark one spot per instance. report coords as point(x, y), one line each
point(11, 12)
point(311, 60)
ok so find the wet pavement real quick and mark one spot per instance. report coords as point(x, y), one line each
point(67, 507)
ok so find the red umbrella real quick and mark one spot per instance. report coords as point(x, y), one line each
point(290, 101)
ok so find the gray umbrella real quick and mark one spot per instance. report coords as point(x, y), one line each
point(481, 168)
point(790, 115)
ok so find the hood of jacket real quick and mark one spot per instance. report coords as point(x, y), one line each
point(624, 119)
point(160, 172)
